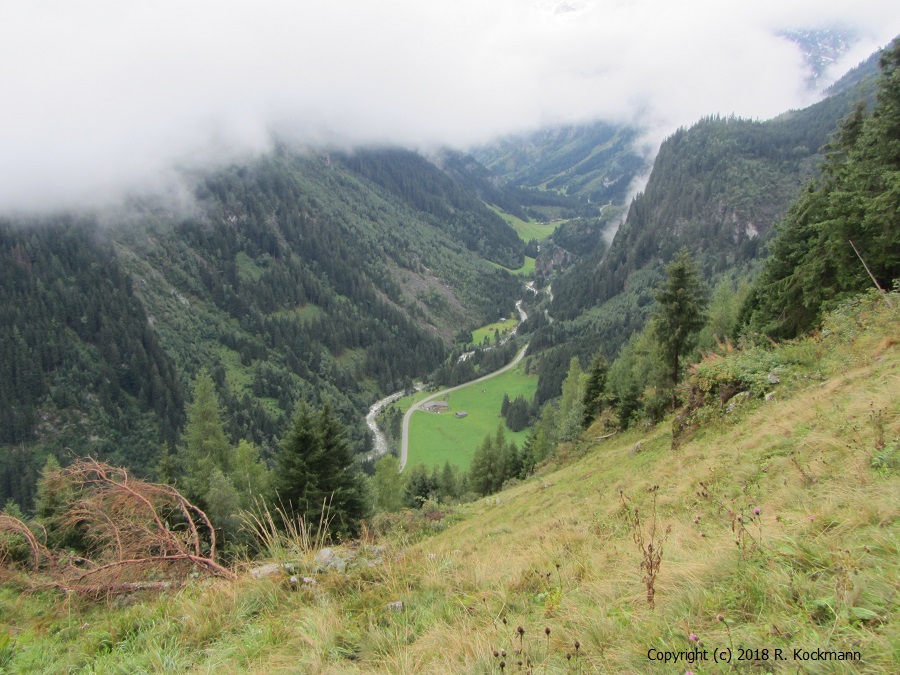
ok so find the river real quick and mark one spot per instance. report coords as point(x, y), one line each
point(380, 441)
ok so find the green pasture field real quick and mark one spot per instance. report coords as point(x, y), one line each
point(526, 268)
point(435, 438)
point(527, 230)
point(487, 331)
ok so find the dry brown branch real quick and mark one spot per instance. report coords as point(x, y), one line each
point(137, 532)
point(12, 525)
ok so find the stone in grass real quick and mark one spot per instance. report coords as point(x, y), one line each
point(736, 400)
point(327, 559)
point(264, 571)
point(396, 606)
point(774, 378)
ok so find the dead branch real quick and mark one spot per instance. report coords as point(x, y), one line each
point(137, 532)
point(13, 525)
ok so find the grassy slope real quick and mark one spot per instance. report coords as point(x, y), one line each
point(487, 331)
point(526, 268)
point(527, 230)
point(438, 438)
point(818, 569)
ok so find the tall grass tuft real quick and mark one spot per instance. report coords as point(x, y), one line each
point(286, 533)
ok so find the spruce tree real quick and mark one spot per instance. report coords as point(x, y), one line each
point(316, 473)
point(594, 388)
point(680, 312)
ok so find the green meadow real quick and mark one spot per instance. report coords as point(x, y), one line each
point(435, 438)
point(527, 230)
point(526, 268)
point(479, 334)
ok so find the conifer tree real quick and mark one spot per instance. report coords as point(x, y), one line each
point(205, 446)
point(594, 388)
point(449, 482)
point(483, 467)
point(680, 312)
point(316, 474)
point(418, 488)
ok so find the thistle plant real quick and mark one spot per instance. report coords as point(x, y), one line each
point(649, 543)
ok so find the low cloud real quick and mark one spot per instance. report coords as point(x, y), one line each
point(103, 98)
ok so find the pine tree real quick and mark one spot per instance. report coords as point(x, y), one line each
point(316, 473)
point(680, 312)
point(206, 447)
point(293, 478)
point(419, 488)
point(594, 388)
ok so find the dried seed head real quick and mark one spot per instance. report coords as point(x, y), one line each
point(520, 631)
point(719, 617)
point(547, 630)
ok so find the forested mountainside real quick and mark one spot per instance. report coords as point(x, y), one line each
point(595, 162)
point(449, 205)
point(717, 188)
point(298, 278)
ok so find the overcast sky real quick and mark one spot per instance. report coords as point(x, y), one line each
point(101, 97)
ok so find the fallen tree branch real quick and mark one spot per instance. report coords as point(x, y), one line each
point(137, 531)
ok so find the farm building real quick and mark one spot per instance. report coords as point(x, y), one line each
point(436, 406)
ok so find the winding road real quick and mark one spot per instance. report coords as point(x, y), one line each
point(404, 443)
